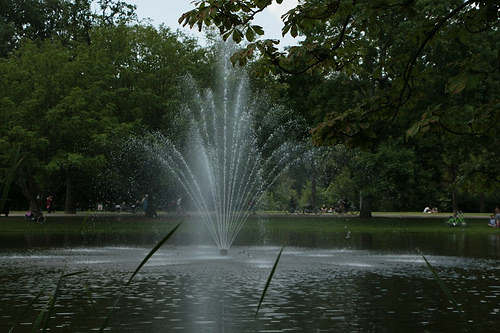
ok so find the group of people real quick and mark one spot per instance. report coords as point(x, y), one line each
point(494, 221)
point(342, 206)
point(495, 218)
point(150, 210)
point(429, 210)
point(146, 203)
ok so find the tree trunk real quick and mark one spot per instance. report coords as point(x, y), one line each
point(454, 195)
point(31, 192)
point(70, 204)
point(313, 186)
point(482, 204)
point(365, 211)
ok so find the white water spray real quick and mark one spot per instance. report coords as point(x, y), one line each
point(228, 162)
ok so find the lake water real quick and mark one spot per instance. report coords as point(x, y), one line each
point(351, 283)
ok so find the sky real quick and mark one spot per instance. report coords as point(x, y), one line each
point(169, 11)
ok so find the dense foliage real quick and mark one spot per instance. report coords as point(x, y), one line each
point(67, 101)
point(370, 71)
point(399, 97)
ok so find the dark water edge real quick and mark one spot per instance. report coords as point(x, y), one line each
point(391, 235)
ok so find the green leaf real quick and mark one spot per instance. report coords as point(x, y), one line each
point(143, 262)
point(258, 29)
point(91, 299)
point(285, 29)
point(443, 286)
point(226, 35)
point(413, 130)
point(33, 301)
point(250, 35)
point(153, 251)
point(262, 3)
point(268, 281)
point(237, 36)
point(456, 84)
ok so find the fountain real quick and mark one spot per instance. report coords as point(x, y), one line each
point(229, 160)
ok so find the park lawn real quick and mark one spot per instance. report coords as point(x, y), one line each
point(374, 225)
point(84, 224)
point(127, 224)
point(425, 215)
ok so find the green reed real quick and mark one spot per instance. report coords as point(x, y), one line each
point(444, 288)
point(123, 289)
point(268, 282)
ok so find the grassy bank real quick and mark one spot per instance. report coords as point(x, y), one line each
point(128, 223)
point(87, 224)
point(376, 225)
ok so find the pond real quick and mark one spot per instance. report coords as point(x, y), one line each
point(324, 282)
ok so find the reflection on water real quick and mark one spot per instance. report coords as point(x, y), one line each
point(193, 289)
point(448, 244)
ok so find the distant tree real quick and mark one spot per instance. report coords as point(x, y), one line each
point(66, 105)
point(51, 103)
point(387, 177)
point(148, 93)
point(69, 21)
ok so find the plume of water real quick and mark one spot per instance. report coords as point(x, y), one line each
point(228, 162)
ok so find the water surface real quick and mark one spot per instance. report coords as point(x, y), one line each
point(189, 288)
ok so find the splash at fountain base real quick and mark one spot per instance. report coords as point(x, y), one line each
point(223, 252)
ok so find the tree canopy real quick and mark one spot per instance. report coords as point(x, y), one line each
point(401, 96)
point(390, 41)
point(419, 66)
point(65, 100)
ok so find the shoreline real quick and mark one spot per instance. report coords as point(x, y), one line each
point(107, 215)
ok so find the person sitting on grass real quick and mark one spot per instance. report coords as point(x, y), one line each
point(497, 216)
point(493, 221)
point(429, 210)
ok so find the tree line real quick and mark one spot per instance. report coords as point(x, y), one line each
point(399, 99)
point(411, 87)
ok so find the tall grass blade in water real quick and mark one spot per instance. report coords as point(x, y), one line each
point(84, 223)
point(45, 314)
point(37, 296)
point(49, 306)
point(53, 299)
point(91, 299)
point(268, 282)
point(143, 262)
point(444, 288)
point(39, 318)
point(48, 310)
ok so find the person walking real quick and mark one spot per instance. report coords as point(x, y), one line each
point(50, 204)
